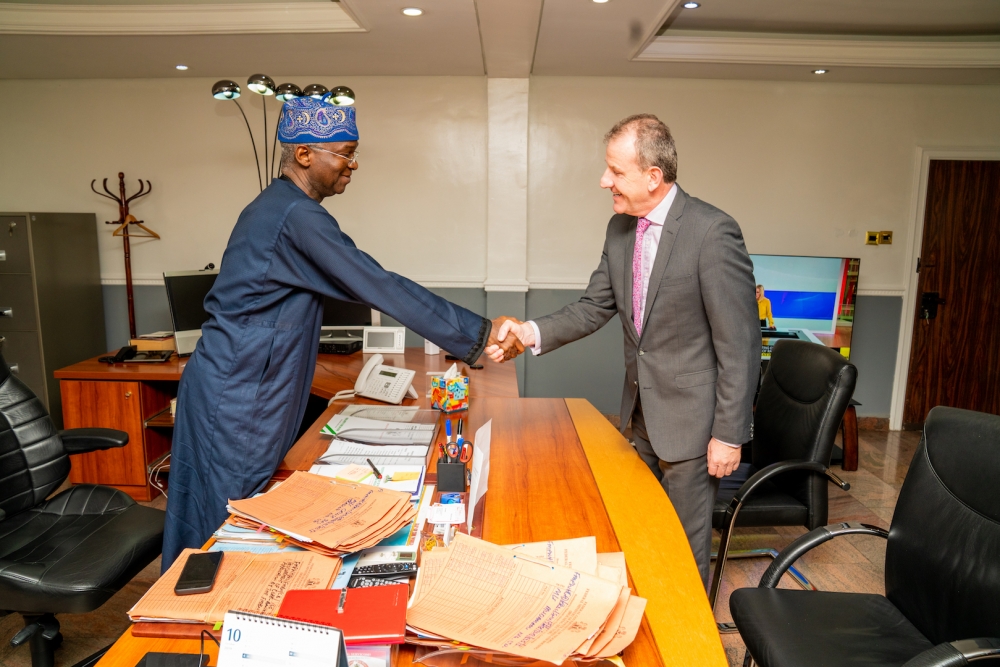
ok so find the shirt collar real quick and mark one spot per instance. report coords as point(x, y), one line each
point(659, 214)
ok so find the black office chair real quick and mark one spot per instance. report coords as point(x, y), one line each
point(942, 569)
point(70, 553)
point(802, 400)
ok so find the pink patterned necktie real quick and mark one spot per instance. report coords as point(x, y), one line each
point(640, 232)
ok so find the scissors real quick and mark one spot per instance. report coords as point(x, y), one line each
point(466, 452)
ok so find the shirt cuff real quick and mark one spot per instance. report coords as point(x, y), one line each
point(729, 444)
point(536, 349)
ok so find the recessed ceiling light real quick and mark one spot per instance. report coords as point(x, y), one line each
point(820, 71)
point(182, 67)
point(692, 5)
point(413, 11)
point(600, 2)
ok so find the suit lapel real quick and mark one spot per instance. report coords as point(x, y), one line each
point(669, 234)
point(629, 250)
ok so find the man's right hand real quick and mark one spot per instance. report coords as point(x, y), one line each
point(500, 347)
point(522, 332)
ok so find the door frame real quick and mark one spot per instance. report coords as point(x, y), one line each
point(915, 239)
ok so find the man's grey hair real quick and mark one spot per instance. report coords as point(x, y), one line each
point(654, 145)
point(288, 155)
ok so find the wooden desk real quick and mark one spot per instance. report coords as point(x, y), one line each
point(559, 469)
point(135, 398)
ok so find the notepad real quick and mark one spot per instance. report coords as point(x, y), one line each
point(250, 640)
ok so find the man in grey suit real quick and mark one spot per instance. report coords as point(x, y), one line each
point(676, 271)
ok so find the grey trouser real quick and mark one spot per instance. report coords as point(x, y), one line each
point(690, 488)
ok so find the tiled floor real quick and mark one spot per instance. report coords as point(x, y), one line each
point(853, 563)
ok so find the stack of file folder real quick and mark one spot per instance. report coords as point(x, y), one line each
point(325, 515)
point(544, 601)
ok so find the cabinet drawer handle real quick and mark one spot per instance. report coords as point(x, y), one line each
point(10, 230)
point(6, 311)
point(128, 394)
point(3, 255)
point(14, 368)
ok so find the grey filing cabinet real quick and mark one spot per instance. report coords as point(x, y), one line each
point(51, 305)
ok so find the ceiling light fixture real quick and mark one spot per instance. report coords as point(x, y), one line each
point(600, 2)
point(182, 67)
point(692, 5)
point(413, 11)
point(820, 71)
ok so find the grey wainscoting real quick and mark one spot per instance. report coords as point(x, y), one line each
point(591, 368)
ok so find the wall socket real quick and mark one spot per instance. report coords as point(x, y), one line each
point(871, 238)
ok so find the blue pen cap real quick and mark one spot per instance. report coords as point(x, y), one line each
point(447, 428)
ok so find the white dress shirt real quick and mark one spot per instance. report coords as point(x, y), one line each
point(650, 244)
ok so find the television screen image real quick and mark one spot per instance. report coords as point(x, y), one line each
point(806, 298)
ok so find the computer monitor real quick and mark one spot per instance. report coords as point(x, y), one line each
point(345, 314)
point(811, 298)
point(186, 292)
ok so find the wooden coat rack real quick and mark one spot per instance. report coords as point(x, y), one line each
point(125, 222)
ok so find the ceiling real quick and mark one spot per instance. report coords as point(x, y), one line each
point(900, 41)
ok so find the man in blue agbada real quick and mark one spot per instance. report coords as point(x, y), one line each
point(244, 390)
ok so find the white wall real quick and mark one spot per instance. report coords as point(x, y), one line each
point(799, 165)
point(422, 173)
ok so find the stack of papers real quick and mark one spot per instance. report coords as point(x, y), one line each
point(405, 478)
point(544, 601)
point(378, 432)
point(244, 582)
point(324, 515)
point(342, 452)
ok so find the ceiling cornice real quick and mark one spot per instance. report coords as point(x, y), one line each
point(821, 52)
point(216, 19)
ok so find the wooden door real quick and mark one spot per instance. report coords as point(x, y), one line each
point(106, 405)
point(955, 356)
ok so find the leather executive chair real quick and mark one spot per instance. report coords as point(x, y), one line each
point(802, 399)
point(942, 569)
point(72, 552)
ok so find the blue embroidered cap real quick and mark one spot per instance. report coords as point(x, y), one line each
point(306, 120)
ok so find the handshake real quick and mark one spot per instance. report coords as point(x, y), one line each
point(508, 339)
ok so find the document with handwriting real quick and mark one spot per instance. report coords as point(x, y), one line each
point(487, 596)
point(245, 581)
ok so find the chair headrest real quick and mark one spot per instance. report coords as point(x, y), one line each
point(804, 370)
point(964, 448)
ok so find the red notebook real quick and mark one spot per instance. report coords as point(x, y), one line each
point(375, 615)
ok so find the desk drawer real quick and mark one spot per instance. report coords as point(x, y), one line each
point(14, 256)
point(17, 303)
point(23, 355)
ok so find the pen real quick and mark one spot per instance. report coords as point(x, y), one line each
point(460, 438)
point(447, 429)
point(374, 469)
point(441, 447)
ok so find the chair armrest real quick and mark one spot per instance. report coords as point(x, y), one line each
point(957, 653)
point(3, 515)
point(810, 541)
point(83, 440)
point(774, 470)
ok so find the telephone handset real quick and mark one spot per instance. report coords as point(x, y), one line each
point(383, 383)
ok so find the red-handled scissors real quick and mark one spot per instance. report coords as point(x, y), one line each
point(466, 450)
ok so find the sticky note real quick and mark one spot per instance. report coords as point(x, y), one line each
point(405, 476)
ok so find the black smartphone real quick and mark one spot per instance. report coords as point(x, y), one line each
point(198, 575)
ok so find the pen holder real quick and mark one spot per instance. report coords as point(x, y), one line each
point(450, 395)
point(451, 477)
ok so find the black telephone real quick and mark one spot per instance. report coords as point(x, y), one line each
point(122, 355)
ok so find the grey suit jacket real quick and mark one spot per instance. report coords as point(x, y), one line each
point(698, 359)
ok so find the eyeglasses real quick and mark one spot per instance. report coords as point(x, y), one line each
point(351, 159)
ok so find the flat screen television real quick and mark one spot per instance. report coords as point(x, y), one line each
point(810, 298)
